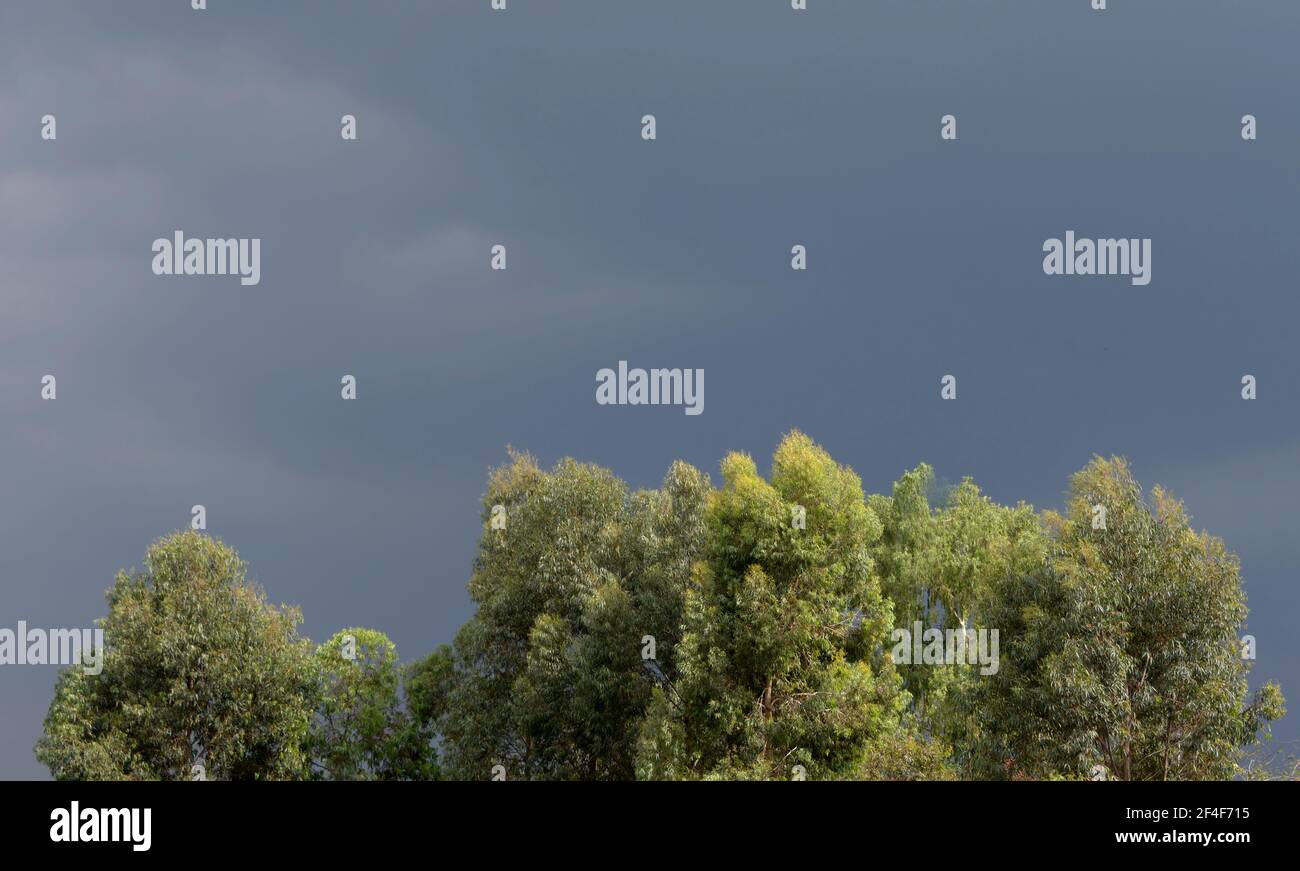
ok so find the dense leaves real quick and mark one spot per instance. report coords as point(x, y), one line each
point(548, 679)
point(199, 670)
point(361, 730)
point(1122, 648)
point(778, 665)
point(688, 632)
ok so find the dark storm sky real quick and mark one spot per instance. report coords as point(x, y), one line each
point(475, 127)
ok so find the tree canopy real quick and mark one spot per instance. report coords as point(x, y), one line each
point(744, 631)
point(199, 670)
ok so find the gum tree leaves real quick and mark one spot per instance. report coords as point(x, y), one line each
point(199, 669)
point(1122, 649)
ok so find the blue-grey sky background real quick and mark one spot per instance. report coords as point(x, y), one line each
point(523, 127)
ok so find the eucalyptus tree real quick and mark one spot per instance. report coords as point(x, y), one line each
point(201, 678)
point(579, 587)
point(939, 566)
point(362, 728)
point(1121, 653)
point(782, 672)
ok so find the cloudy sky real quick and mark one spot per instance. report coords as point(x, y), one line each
point(523, 128)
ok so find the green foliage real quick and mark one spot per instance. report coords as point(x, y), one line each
point(906, 755)
point(938, 566)
point(198, 670)
point(547, 679)
point(1121, 650)
point(780, 663)
point(688, 633)
point(361, 731)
